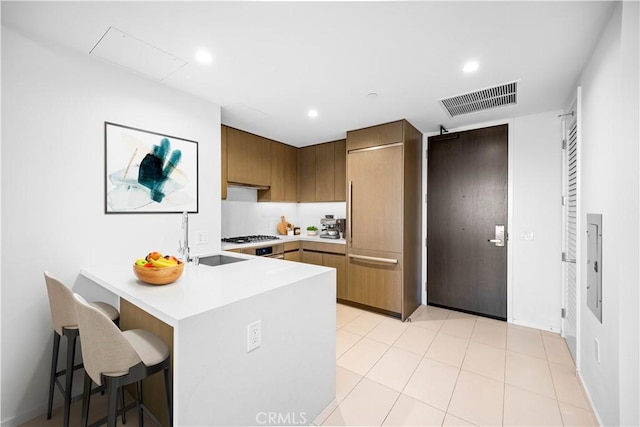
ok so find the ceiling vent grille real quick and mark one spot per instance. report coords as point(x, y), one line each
point(480, 100)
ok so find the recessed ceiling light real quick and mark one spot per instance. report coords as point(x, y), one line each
point(313, 113)
point(470, 67)
point(204, 56)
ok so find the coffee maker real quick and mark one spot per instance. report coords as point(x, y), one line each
point(330, 227)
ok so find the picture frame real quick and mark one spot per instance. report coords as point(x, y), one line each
point(149, 172)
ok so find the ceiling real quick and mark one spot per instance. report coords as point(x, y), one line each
point(274, 61)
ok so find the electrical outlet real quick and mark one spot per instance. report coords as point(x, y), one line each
point(254, 335)
point(202, 238)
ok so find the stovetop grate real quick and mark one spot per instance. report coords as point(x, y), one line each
point(249, 239)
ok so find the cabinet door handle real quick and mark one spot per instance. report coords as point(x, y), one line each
point(373, 258)
point(350, 211)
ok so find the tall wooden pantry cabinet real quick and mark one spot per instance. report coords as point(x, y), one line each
point(384, 201)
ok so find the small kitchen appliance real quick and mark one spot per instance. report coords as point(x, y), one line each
point(330, 229)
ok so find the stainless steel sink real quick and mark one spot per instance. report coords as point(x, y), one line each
point(216, 260)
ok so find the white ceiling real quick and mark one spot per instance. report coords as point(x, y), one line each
point(273, 61)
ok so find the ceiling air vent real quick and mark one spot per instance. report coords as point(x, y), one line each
point(480, 100)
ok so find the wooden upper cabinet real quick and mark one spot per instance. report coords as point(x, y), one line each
point(322, 172)
point(291, 173)
point(374, 136)
point(284, 171)
point(310, 174)
point(248, 159)
point(325, 172)
point(223, 161)
point(340, 169)
point(307, 174)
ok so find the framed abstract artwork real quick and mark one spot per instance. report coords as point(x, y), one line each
point(148, 172)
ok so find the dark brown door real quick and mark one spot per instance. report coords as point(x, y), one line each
point(466, 200)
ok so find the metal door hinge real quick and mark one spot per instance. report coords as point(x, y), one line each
point(563, 313)
point(565, 258)
point(564, 144)
point(564, 200)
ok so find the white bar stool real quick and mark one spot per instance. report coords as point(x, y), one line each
point(117, 358)
point(63, 316)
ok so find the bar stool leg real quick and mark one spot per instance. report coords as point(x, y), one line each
point(71, 352)
point(112, 406)
point(54, 368)
point(139, 403)
point(86, 397)
point(124, 417)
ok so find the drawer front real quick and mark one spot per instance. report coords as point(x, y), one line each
point(375, 279)
point(309, 257)
point(292, 256)
point(291, 246)
point(333, 248)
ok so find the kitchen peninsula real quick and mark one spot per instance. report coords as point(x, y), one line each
point(290, 377)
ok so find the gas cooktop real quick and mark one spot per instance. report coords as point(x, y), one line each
point(249, 239)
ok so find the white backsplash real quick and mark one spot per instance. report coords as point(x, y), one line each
point(243, 215)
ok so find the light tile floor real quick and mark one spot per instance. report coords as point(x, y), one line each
point(446, 368)
point(97, 410)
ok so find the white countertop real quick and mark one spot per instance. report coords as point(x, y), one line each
point(202, 288)
point(282, 239)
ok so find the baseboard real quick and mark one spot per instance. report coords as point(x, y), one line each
point(535, 326)
point(28, 415)
point(586, 391)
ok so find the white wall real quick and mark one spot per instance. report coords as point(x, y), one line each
point(610, 181)
point(242, 215)
point(54, 106)
point(536, 239)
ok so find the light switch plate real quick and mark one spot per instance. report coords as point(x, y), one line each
point(202, 238)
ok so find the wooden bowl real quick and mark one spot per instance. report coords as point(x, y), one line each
point(157, 275)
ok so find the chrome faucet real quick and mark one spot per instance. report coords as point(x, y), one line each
point(184, 244)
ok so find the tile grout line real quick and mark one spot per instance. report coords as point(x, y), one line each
point(414, 370)
point(553, 381)
point(361, 377)
point(458, 376)
point(504, 383)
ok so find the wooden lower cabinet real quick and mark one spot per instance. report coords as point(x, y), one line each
point(374, 280)
point(328, 255)
point(316, 253)
point(292, 256)
point(339, 263)
point(314, 258)
point(292, 251)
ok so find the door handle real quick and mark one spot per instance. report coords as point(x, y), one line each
point(374, 259)
point(350, 201)
point(498, 239)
